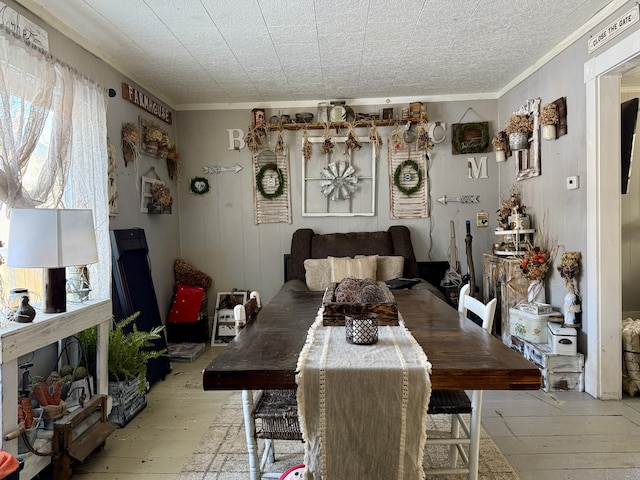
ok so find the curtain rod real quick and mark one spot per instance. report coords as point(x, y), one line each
point(47, 56)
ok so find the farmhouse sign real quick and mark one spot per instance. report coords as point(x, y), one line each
point(142, 100)
point(614, 29)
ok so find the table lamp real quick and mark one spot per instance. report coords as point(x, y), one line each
point(51, 239)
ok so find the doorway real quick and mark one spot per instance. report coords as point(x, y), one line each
point(603, 374)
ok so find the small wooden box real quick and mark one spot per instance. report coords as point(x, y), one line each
point(559, 372)
point(334, 312)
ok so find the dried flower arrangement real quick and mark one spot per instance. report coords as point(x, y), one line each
point(327, 144)
point(498, 141)
point(424, 139)
point(549, 114)
point(254, 137)
point(519, 123)
point(536, 262)
point(374, 135)
point(130, 142)
point(396, 138)
point(161, 194)
point(281, 145)
point(307, 148)
point(352, 142)
point(173, 164)
point(166, 141)
point(569, 268)
point(508, 207)
point(152, 133)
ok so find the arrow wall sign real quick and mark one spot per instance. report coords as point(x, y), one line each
point(463, 199)
point(218, 169)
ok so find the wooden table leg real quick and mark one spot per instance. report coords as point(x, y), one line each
point(250, 430)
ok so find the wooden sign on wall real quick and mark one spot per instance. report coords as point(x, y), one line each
point(146, 103)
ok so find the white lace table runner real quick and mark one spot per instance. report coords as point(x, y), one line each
point(363, 408)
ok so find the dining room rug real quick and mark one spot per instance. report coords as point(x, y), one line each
point(222, 452)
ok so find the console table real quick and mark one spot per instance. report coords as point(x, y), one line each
point(19, 339)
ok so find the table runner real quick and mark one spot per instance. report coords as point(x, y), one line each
point(363, 408)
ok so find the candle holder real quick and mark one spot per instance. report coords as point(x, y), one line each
point(361, 328)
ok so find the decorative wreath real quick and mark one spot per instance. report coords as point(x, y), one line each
point(411, 164)
point(260, 178)
point(199, 185)
point(459, 136)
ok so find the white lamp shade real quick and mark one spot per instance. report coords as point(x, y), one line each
point(51, 238)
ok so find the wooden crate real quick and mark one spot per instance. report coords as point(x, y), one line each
point(559, 372)
point(334, 312)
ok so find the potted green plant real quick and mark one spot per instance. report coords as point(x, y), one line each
point(130, 350)
point(519, 129)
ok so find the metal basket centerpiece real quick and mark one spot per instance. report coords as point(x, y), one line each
point(361, 328)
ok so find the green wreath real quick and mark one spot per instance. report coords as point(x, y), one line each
point(200, 185)
point(459, 136)
point(260, 177)
point(408, 191)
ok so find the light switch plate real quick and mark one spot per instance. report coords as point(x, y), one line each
point(573, 182)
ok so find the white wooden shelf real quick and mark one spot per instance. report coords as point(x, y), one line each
point(19, 339)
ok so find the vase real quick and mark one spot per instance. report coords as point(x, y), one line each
point(25, 313)
point(535, 292)
point(572, 310)
point(549, 132)
point(519, 141)
point(501, 156)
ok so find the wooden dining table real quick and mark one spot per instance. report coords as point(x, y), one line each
point(264, 355)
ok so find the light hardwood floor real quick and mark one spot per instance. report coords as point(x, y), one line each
point(559, 436)
point(160, 439)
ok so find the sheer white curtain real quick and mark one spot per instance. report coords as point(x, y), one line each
point(53, 142)
point(87, 186)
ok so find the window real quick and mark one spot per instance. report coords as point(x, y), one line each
point(42, 164)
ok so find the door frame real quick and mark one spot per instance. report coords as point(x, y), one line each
point(603, 319)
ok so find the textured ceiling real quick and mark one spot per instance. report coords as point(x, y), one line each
point(191, 52)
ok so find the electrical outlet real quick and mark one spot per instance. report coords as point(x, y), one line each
point(573, 182)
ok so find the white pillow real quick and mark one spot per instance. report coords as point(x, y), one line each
point(362, 267)
point(388, 267)
point(317, 274)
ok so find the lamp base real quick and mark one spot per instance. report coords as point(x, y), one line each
point(55, 291)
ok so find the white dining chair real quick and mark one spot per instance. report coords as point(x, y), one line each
point(459, 406)
point(277, 410)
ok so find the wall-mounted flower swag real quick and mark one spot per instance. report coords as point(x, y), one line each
point(156, 142)
point(130, 142)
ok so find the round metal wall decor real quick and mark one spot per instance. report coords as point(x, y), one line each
point(338, 181)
